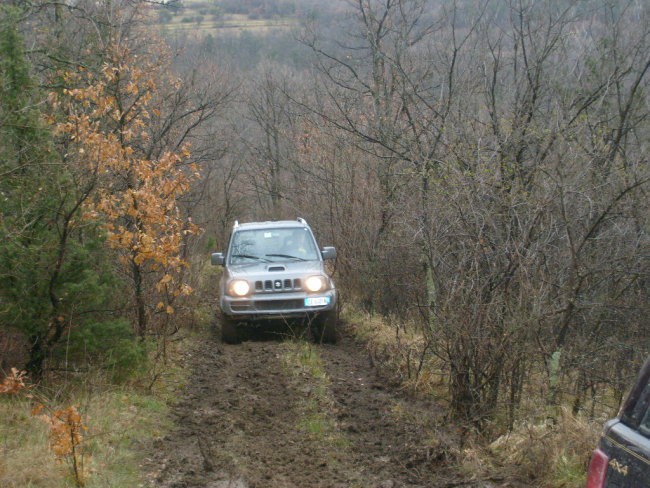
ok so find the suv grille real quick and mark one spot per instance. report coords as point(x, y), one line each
point(278, 285)
point(278, 304)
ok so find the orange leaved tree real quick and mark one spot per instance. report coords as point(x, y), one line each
point(66, 436)
point(107, 119)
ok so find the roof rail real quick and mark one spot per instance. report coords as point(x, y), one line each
point(302, 221)
point(236, 224)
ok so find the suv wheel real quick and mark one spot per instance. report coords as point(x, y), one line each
point(229, 332)
point(325, 328)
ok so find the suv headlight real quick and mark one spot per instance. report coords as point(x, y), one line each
point(239, 288)
point(316, 283)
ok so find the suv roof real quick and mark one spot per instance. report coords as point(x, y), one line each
point(270, 224)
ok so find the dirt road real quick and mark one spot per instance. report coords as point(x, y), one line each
point(284, 414)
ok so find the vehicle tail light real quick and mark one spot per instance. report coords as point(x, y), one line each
point(597, 469)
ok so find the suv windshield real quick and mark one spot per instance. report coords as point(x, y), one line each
point(272, 245)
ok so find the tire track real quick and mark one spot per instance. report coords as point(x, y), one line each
point(238, 424)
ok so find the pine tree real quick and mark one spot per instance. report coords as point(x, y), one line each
point(54, 269)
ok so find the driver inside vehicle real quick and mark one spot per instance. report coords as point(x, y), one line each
point(296, 244)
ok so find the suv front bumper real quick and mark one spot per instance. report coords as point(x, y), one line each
point(278, 305)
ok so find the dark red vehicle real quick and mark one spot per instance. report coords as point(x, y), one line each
point(622, 459)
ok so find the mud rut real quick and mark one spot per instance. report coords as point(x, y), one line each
point(238, 425)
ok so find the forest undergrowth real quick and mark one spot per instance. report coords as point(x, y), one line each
point(549, 447)
point(481, 169)
point(83, 429)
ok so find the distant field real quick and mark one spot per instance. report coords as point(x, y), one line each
point(198, 17)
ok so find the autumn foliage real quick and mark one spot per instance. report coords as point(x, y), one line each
point(136, 199)
point(13, 383)
point(66, 425)
point(66, 430)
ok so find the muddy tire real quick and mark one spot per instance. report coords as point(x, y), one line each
point(229, 332)
point(325, 328)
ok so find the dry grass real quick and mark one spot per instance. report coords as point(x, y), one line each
point(547, 453)
point(122, 421)
point(397, 350)
point(25, 460)
point(552, 452)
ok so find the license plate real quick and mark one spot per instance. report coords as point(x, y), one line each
point(317, 301)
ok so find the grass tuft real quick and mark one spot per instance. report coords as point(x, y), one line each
point(304, 364)
point(25, 460)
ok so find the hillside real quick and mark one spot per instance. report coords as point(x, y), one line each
point(201, 17)
point(476, 178)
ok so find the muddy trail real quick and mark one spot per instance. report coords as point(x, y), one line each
point(285, 414)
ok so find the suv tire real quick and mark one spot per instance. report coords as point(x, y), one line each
point(229, 332)
point(325, 328)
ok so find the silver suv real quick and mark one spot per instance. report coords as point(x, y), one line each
point(274, 270)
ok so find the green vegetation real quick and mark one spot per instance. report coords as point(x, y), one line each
point(79, 272)
point(53, 268)
point(120, 421)
point(316, 410)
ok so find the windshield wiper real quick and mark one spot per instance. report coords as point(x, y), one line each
point(249, 256)
point(288, 256)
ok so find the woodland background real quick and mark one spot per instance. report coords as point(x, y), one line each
point(481, 167)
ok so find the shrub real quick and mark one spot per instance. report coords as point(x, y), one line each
point(109, 344)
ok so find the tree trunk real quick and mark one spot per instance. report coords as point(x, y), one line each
point(141, 311)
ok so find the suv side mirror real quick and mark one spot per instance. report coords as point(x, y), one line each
point(217, 258)
point(328, 253)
